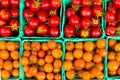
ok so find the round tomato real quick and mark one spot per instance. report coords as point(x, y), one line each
point(97, 2)
point(14, 23)
point(69, 31)
point(45, 5)
point(27, 13)
point(5, 3)
point(97, 11)
point(54, 32)
point(42, 30)
point(84, 33)
point(70, 11)
point(109, 16)
point(85, 22)
point(116, 3)
point(55, 3)
point(29, 31)
point(15, 3)
point(14, 12)
point(33, 22)
point(5, 31)
point(5, 14)
point(54, 21)
point(35, 5)
point(42, 16)
point(112, 9)
point(110, 30)
point(86, 11)
point(76, 2)
point(95, 32)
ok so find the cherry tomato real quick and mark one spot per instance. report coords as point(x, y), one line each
point(112, 9)
point(85, 22)
point(5, 31)
point(70, 11)
point(116, 3)
point(33, 22)
point(97, 11)
point(95, 32)
point(42, 30)
point(74, 20)
point(27, 13)
point(97, 2)
point(14, 24)
point(55, 3)
point(14, 12)
point(109, 17)
point(45, 5)
point(86, 2)
point(34, 5)
point(5, 3)
point(84, 33)
point(113, 23)
point(15, 3)
point(110, 30)
point(54, 32)
point(54, 21)
point(42, 16)
point(76, 2)
point(29, 31)
point(86, 11)
point(5, 14)
point(69, 31)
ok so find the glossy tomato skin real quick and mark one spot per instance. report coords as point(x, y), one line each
point(84, 33)
point(70, 11)
point(54, 21)
point(29, 31)
point(109, 17)
point(95, 32)
point(112, 9)
point(118, 15)
point(42, 30)
point(5, 14)
point(86, 2)
point(110, 30)
point(27, 13)
point(2, 22)
point(33, 22)
point(5, 3)
point(85, 22)
point(86, 11)
point(116, 3)
point(14, 22)
point(76, 2)
point(113, 23)
point(45, 5)
point(54, 32)
point(42, 16)
point(97, 2)
point(34, 7)
point(52, 11)
point(69, 31)
point(55, 3)
point(97, 11)
point(15, 3)
point(27, 3)
point(95, 22)
point(74, 20)
point(14, 12)
point(5, 31)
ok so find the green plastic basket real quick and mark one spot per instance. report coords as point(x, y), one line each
point(63, 51)
point(105, 23)
point(84, 40)
point(14, 40)
point(111, 77)
point(68, 3)
point(41, 37)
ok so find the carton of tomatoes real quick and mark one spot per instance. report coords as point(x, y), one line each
point(85, 59)
point(82, 19)
point(42, 60)
point(9, 59)
point(41, 18)
point(113, 58)
point(9, 18)
point(112, 18)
